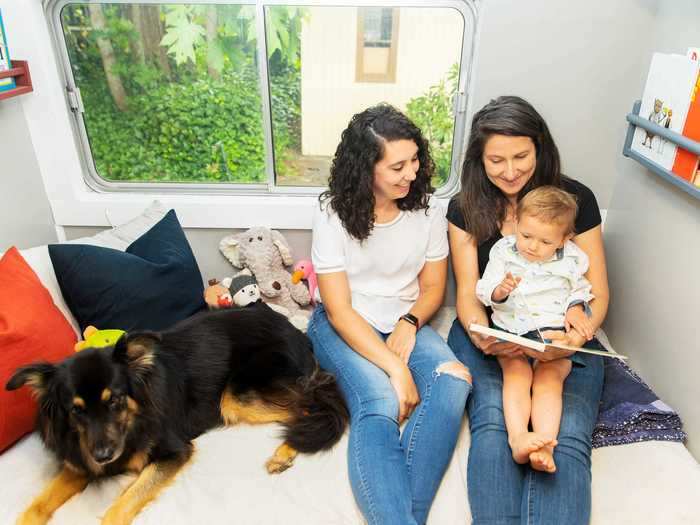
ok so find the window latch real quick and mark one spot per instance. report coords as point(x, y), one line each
point(459, 102)
point(75, 101)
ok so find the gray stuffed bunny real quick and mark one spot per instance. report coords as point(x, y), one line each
point(266, 253)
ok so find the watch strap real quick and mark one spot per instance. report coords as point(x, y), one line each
point(412, 319)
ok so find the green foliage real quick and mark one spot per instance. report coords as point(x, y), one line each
point(183, 33)
point(200, 131)
point(432, 112)
point(183, 125)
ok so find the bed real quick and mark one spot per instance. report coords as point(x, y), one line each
point(650, 482)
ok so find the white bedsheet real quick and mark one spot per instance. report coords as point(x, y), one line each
point(652, 482)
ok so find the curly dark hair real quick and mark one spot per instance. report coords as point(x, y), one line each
point(350, 186)
point(481, 202)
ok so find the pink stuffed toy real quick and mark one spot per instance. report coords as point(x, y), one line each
point(305, 270)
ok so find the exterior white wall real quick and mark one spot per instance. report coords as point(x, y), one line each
point(329, 93)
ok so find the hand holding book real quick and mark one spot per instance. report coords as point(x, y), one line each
point(537, 345)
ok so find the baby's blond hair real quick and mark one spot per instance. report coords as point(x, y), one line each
point(550, 204)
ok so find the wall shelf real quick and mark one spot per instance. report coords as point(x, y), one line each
point(681, 141)
point(23, 80)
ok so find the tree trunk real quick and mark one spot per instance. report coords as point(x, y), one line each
point(152, 33)
point(137, 44)
point(212, 24)
point(114, 82)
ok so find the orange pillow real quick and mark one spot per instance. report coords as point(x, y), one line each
point(31, 329)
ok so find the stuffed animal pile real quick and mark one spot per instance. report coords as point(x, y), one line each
point(263, 256)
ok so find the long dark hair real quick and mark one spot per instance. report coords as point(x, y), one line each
point(350, 186)
point(482, 203)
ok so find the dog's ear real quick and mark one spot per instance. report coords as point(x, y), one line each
point(37, 377)
point(137, 351)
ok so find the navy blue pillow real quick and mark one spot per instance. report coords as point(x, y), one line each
point(152, 285)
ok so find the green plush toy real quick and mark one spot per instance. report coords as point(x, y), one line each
point(94, 338)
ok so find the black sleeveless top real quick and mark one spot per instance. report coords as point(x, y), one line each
point(588, 216)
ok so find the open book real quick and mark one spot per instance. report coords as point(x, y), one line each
point(536, 345)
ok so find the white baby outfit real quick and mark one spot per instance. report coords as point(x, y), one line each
point(546, 290)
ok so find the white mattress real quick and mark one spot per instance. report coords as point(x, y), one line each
point(653, 482)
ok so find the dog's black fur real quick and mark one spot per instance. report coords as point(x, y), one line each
point(151, 394)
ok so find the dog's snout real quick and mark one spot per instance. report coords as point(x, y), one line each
point(276, 285)
point(103, 454)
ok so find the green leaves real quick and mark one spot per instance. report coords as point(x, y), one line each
point(433, 113)
point(183, 34)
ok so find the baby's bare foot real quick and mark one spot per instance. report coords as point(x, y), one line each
point(543, 459)
point(525, 444)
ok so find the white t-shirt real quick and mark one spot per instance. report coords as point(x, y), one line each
point(383, 270)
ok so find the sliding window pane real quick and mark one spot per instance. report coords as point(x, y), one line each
point(170, 91)
point(327, 63)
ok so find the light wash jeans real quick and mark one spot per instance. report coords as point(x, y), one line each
point(394, 476)
point(500, 490)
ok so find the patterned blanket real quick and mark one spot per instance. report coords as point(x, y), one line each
point(630, 411)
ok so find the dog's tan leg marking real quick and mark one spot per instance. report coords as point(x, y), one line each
point(137, 462)
point(255, 412)
point(282, 459)
point(153, 478)
point(59, 490)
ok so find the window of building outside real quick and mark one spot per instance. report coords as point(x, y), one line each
point(377, 39)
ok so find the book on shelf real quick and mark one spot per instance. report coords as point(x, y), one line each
point(665, 102)
point(539, 346)
point(5, 64)
point(685, 164)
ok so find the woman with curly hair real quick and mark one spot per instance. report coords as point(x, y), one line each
point(380, 251)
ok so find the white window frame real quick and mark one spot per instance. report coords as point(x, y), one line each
point(75, 201)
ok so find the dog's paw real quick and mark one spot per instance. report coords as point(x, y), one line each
point(276, 465)
point(281, 460)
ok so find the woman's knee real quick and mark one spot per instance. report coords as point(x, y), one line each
point(384, 405)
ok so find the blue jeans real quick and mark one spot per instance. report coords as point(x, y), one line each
point(504, 492)
point(394, 476)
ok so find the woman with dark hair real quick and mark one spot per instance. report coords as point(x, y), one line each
point(511, 152)
point(380, 251)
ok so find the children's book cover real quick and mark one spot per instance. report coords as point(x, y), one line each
point(5, 64)
point(665, 103)
point(685, 164)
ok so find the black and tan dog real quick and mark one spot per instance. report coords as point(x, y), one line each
point(138, 406)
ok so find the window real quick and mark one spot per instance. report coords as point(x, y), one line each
point(377, 37)
point(251, 97)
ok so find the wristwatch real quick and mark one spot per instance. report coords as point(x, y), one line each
point(410, 318)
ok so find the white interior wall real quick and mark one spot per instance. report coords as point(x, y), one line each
point(25, 214)
point(651, 238)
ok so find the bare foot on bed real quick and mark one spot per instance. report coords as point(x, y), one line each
point(543, 459)
point(525, 444)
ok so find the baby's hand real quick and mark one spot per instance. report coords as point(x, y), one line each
point(577, 319)
point(503, 290)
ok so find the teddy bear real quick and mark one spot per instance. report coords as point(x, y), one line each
point(266, 253)
point(242, 291)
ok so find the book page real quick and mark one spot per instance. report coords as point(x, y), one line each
point(536, 345)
